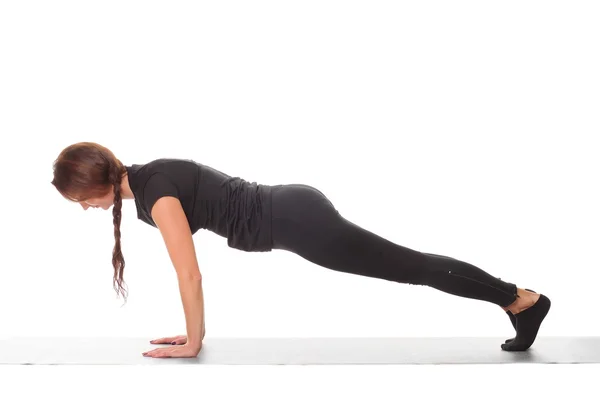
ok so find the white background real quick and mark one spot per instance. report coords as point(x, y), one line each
point(460, 128)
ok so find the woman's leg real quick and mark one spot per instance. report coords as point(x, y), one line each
point(306, 223)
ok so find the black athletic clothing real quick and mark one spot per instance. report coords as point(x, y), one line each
point(301, 219)
point(228, 206)
point(305, 222)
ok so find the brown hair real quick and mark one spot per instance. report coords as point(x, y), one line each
point(86, 170)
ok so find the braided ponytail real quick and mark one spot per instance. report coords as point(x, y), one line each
point(117, 256)
point(86, 170)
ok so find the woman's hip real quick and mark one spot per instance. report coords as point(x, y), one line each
point(301, 213)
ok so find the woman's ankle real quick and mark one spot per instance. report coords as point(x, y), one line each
point(525, 299)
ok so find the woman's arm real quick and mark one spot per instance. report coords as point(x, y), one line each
point(169, 217)
point(193, 307)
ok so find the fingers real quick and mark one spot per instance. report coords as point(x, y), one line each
point(172, 352)
point(163, 340)
point(152, 353)
point(158, 353)
point(181, 339)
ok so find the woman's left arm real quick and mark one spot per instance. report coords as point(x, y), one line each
point(169, 217)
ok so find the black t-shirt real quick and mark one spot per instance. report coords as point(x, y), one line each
point(228, 206)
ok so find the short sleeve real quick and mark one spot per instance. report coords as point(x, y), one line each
point(157, 186)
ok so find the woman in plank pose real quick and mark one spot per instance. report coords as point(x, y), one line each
point(180, 196)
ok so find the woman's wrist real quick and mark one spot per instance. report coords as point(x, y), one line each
point(194, 344)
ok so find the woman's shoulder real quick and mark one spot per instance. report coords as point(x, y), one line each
point(170, 165)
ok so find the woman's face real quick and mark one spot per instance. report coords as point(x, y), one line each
point(99, 202)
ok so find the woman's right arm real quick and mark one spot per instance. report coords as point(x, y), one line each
point(169, 217)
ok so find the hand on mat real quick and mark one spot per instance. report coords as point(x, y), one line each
point(181, 339)
point(184, 351)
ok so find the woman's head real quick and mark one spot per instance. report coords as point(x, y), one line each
point(91, 175)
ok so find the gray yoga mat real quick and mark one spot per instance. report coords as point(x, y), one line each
point(303, 351)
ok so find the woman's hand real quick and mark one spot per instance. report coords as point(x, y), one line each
point(181, 339)
point(185, 351)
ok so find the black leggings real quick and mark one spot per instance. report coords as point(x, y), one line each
point(305, 222)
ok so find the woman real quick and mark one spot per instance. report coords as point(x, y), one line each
point(179, 197)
